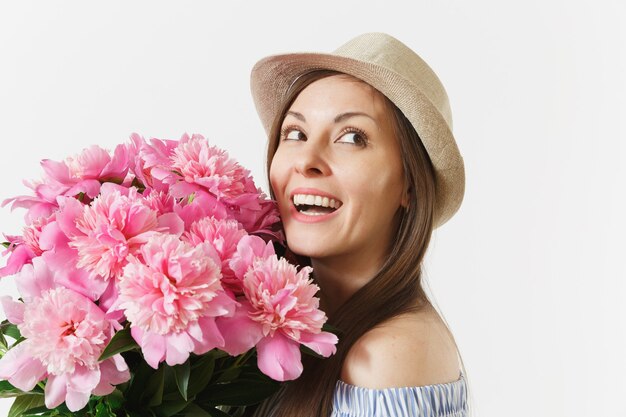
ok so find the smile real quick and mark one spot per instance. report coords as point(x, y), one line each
point(315, 205)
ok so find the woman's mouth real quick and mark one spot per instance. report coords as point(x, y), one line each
point(315, 205)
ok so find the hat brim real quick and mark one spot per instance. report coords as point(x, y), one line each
point(272, 77)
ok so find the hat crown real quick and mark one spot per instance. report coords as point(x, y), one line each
point(388, 52)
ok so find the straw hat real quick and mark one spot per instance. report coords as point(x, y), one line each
point(400, 74)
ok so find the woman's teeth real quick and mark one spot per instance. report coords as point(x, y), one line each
point(315, 205)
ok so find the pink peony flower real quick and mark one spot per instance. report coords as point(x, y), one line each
point(42, 204)
point(60, 259)
point(65, 334)
point(150, 161)
point(223, 235)
point(280, 313)
point(207, 167)
point(111, 228)
point(93, 163)
point(284, 304)
point(260, 216)
point(83, 173)
point(65, 330)
point(171, 293)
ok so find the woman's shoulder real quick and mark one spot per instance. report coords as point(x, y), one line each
point(413, 349)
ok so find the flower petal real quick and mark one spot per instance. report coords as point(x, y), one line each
point(76, 400)
point(58, 171)
point(113, 371)
point(152, 346)
point(239, 331)
point(34, 279)
point(178, 346)
point(248, 249)
point(80, 384)
point(83, 379)
point(89, 187)
point(70, 209)
point(207, 337)
point(221, 305)
point(322, 343)
point(171, 223)
point(56, 389)
point(13, 310)
point(279, 358)
point(20, 256)
point(21, 369)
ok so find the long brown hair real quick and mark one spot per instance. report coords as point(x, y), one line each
point(395, 289)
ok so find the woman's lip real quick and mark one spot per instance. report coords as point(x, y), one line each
point(304, 218)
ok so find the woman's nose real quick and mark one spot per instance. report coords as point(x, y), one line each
point(312, 161)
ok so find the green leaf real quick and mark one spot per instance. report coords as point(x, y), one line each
point(229, 374)
point(10, 329)
point(3, 342)
point(137, 387)
point(8, 391)
point(103, 411)
point(17, 393)
point(194, 410)
point(37, 410)
point(241, 392)
point(154, 388)
point(238, 412)
point(122, 341)
point(170, 408)
point(6, 244)
point(24, 403)
point(182, 373)
point(115, 400)
point(201, 373)
point(219, 354)
point(12, 394)
point(216, 412)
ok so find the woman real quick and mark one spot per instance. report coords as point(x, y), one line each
point(364, 166)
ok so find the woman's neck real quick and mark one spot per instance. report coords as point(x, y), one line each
point(339, 278)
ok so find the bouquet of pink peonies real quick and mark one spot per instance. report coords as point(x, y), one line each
point(150, 286)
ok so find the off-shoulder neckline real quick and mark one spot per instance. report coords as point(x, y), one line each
point(420, 387)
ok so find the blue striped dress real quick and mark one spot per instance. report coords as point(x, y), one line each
point(439, 400)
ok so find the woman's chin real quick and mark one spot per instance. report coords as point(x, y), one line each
point(308, 249)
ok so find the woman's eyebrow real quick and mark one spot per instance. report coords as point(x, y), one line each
point(339, 118)
point(297, 115)
point(343, 116)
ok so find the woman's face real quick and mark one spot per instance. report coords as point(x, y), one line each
point(337, 173)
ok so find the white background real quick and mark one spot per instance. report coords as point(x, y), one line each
point(529, 273)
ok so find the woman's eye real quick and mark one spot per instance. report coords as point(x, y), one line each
point(293, 134)
point(355, 138)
